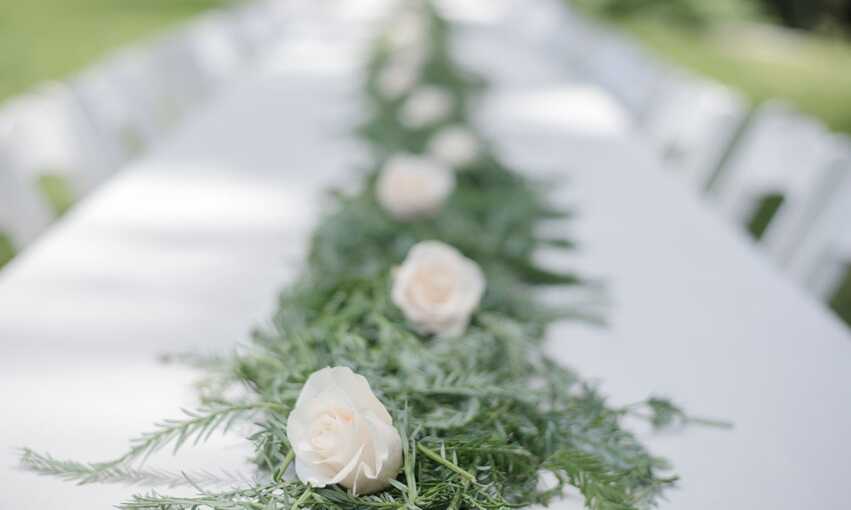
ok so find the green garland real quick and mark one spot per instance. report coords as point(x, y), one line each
point(482, 417)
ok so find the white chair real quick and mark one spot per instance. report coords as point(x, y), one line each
point(487, 51)
point(178, 84)
point(258, 24)
point(165, 79)
point(51, 136)
point(694, 127)
point(23, 212)
point(575, 36)
point(777, 176)
point(113, 95)
point(625, 70)
point(215, 46)
point(822, 260)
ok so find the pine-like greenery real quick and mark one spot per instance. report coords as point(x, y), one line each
point(482, 417)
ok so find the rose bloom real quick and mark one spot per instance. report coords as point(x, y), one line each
point(426, 106)
point(456, 146)
point(400, 74)
point(410, 186)
point(437, 288)
point(341, 433)
point(410, 27)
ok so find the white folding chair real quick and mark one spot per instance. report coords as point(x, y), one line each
point(488, 50)
point(822, 262)
point(575, 36)
point(625, 70)
point(258, 24)
point(114, 96)
point(23, 212)
point(51, 138)
point(177, 82)
point(215, 46)
point(777, 176)
point(693, 126)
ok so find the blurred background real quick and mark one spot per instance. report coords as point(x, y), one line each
point(798, 50)
point(50, 39)
point(750, 100)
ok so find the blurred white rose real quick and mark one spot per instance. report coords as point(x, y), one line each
point(456, 146)
point(409, 27)
point(437, 288)
point(341, 433)
point(427, 105)
point(400, 74)
point(411, 186)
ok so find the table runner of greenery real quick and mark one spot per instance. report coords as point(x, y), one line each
point(485, 418)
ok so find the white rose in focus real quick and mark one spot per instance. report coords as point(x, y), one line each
point(410, 186)
point(437, 288)
point(341, 433)
point(426, 106)
point(456, 146)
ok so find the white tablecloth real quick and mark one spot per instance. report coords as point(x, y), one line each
point(186, 250)
point(699, 314)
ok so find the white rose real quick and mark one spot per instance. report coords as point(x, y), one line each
point(410, 27)
point(400, 74)
point(455, 145)
point(437, 288)
point(427, 105)
point(410, 186)
point(341, 433)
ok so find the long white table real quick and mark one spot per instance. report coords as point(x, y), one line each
point(187, 249)
point(184, 251)
point(699, 314)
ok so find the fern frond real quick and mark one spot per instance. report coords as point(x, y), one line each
point(86, 473)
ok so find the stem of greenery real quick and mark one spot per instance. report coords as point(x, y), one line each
point(440, 460)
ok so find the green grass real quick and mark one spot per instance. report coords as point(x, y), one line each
point(7, 249)
point(841, 300)
point(57, 191)
point(811, 72)
point(49, 39)
point(765, 212)
point(44, 40)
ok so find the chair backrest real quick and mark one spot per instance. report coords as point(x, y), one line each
point(178, 84)
point(776, 178)
point(694, 126)
point(114, 96)
point(622, 67)
point(574, 36)
point(23, 212)
point(488, 50)
point(258, 24)
point(823, 256)
point(215, 44)
point(51, 137)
